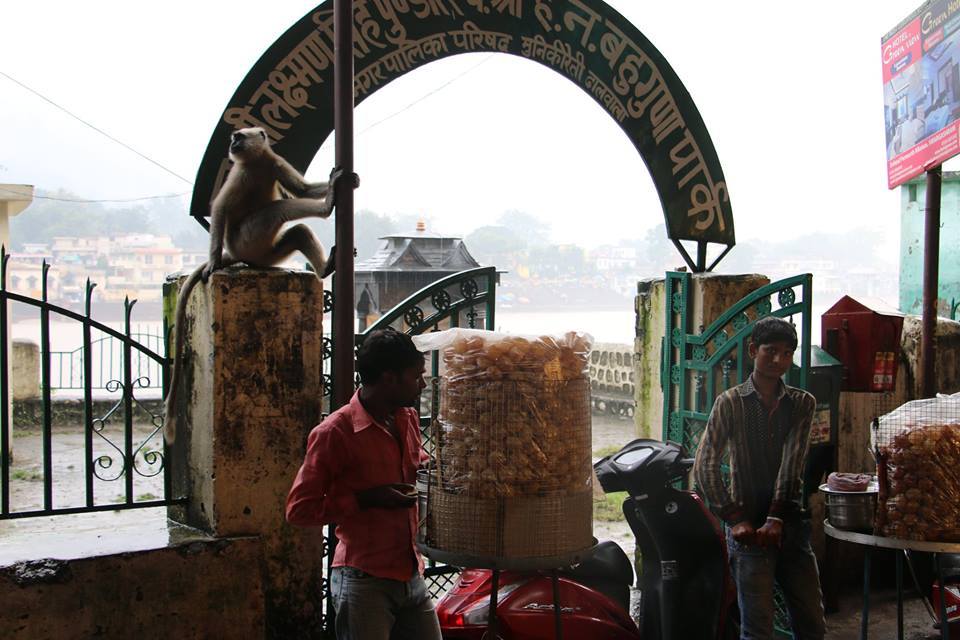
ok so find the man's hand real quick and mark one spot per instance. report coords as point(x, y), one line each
point(770, 534)
point(744, 533)
point(388, 496)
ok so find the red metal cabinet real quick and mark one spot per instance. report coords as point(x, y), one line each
point(865, 341)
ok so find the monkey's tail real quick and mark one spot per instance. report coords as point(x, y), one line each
point(169, 403)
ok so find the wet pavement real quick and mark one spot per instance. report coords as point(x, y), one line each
point(86, 534)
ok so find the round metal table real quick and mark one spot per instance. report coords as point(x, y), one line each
point(869, 542)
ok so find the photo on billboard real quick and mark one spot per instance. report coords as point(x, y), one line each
point(921, 90)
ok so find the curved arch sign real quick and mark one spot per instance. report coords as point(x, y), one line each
point(289, 92)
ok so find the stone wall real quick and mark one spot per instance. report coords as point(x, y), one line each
point(197, 590)
point(612, 378)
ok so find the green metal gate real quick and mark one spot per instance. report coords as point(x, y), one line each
point(465, 299)
point(699, 365)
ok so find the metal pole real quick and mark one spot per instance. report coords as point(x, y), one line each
point(343, 338)
point(944, 619)
point(865, 612)
point(899, 595)
point(557, 609)
point(931, 264)
point(492, 612)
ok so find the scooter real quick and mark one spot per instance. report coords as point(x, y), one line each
point(686, 589)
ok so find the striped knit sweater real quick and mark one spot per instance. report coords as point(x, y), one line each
point(736, 426)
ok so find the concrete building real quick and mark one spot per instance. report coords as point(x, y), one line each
point(912, 203)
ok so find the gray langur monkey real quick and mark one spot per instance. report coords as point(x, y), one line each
point(246, 225)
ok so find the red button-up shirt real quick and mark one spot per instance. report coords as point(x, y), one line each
point(349, 452)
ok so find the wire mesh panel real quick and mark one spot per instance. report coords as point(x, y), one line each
point(918, 466)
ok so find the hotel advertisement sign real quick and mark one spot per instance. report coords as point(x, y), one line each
point(921, 90)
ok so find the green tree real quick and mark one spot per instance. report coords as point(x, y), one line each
point(490, 244)
point(556, 260)
point(535, 231)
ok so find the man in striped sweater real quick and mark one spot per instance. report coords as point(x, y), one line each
point(763, 426)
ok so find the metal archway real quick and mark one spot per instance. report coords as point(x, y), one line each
point(289, 91)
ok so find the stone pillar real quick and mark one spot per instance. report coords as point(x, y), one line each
point(711, 295)
point(251, 393)
point(25, 383)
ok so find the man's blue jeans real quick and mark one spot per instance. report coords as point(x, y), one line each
point(794, 567)
point(370, 608)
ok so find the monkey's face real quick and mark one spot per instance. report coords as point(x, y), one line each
point(247, 141)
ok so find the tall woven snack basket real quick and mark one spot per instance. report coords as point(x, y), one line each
point(513, 466)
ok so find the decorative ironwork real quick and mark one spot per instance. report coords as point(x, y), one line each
point(676, 427)
point(327, 384)
point(676, 337)
point(469, 289)
point(153, 458)
point(677, 302)
point(720, 339)
point(786, 297)
point(699, 353)
point(676, 373)
point(327, 301)
point(326, 348)
point(764, 307)
point(441, 300)
point(413, 317)
point(740, 321)
point(472, 318)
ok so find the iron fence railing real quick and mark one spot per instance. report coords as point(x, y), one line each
point(67, 370)
point(121, 449)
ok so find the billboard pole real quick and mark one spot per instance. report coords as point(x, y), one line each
point(343, 336)
point(931, 265)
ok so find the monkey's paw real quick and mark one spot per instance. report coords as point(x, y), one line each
point(337, 174)
point(208, 271)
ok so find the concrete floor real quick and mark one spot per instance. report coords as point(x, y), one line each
point(842, 625)
point(882, 620)
point(31, 538)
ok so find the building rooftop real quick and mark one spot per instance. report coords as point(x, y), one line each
point(419, 251)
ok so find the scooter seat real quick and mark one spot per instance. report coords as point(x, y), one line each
point(607, 570)
point(606, 560)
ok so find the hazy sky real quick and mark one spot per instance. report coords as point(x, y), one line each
point(790, 92)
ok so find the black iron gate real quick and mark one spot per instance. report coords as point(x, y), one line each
point(114, 453)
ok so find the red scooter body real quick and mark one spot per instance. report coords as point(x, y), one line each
point(525, 612)
point(686, 589)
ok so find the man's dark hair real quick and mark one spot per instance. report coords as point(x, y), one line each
point(772, 329)
point(386, 350)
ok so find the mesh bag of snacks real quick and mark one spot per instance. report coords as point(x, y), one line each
point(918, 465)
point(513, 458)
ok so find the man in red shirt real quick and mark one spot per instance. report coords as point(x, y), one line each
point(359, 471)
